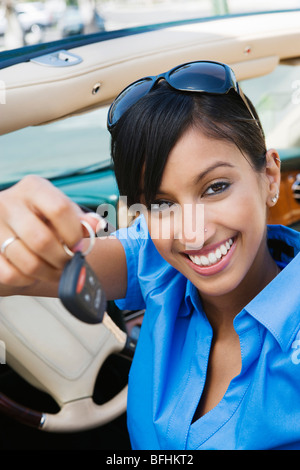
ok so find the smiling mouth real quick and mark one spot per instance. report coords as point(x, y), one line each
point(213, 257)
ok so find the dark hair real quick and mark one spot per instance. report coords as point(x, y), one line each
point(147, 132)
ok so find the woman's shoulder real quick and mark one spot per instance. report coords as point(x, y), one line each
point(141, 252)
point(137, 231)
point(283, 242)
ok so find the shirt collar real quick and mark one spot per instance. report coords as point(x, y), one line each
point(277, 306)
point(192, 299)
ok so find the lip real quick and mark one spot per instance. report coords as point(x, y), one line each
point(215, 268)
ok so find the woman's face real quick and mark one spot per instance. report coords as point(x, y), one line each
point(209, 216)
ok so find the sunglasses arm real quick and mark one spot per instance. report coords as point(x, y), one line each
point(240, 92)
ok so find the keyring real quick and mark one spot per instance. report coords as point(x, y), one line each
point(92, 241)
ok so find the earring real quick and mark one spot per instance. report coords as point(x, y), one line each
point(274, 199)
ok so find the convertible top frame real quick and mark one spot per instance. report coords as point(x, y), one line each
point(252, 44)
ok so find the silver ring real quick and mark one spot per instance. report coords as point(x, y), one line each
point(92, 241)
point(6, 243)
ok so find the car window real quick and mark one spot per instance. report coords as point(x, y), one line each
point(32, 22)
point(56, 149)
point(276, 97)
point(83, 141)
point(78, 142)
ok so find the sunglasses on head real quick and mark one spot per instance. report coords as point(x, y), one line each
point(200, 76)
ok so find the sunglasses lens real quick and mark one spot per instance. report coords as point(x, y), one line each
point(128, 98)
point(208, 77)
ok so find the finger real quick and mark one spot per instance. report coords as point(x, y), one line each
point(29, 265)
point(48, 203)
point(45, 254)
point(39, 239)
point(59, 212)
point(44, 219)
point(95, 220)
point(91, 224)
point(11, 276)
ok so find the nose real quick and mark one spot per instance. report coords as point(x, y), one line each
point(190, 226)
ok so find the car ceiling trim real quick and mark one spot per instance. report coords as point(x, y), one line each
point(17, 56)
point(156, 44)
point(44, 95)
point(25, 54)
point(61, 58)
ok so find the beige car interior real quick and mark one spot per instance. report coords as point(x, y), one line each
point(47, 346)
point(252, 45)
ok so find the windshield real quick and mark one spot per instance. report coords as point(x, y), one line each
point(31, 22)
point(57, 149)
point(276, 97)
point(82, 142)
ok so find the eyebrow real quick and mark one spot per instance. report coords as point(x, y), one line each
point(212, 167)
point(201, 175)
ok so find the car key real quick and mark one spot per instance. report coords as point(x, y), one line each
point(81, 293)
point(80, 290)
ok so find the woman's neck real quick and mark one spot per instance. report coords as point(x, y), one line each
point(221, 310)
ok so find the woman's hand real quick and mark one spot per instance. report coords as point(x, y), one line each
point(39, 219)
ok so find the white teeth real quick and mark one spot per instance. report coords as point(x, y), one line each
point(223, 249)
point(197, 260)
point(214, 256)
point(204, 261)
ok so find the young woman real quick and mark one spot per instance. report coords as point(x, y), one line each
point(216, 365)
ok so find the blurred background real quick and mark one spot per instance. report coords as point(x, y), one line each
point(30, 22)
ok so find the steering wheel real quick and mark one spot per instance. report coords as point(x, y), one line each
point(60, 355)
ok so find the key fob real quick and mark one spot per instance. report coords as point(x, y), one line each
point(80, 291)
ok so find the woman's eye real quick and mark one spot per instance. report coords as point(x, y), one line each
point(217, 188)
point(160, 206)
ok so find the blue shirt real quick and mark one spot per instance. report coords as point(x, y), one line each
point(261, 407)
